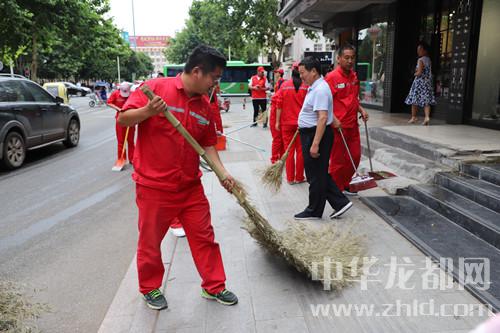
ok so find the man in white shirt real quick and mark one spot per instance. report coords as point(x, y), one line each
point(316, 136)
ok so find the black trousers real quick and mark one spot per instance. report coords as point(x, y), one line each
point(259, 104)
point(321, 185)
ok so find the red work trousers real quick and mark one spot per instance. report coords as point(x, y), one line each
point(340, 167)
point(277, 147)
point(120, 137)
point(157, 210)
point(294, 161)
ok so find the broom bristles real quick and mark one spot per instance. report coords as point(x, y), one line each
point(272, 176)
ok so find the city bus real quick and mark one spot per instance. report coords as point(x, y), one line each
point(235, 78)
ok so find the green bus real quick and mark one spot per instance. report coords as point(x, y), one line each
point(235, 78)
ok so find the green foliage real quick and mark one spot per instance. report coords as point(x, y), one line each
point(60, 39)
point(243, 26)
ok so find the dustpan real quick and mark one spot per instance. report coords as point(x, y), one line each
point(358, 182)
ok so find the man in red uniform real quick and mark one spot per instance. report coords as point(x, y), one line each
point(344, 84)
point(116, 101)
point(258, 87)
point(277, 148)
point(167, 175)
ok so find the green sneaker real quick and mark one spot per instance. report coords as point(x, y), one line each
point(224, 297)
point(155, 300)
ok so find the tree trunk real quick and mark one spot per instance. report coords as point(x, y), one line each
point(34, 57)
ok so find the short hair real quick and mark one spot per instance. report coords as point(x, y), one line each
point(424, 45)
point(345, 47)
point(310, 62)
point(205, 57)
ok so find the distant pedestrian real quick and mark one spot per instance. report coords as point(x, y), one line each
point(258, 87)
point(160, 74)
point(421, 91)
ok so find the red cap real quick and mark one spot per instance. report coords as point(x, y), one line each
point(260, 69)
point(279, 71)
point(295, 65)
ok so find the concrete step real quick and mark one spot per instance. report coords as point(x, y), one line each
point(439, 237)
point(486, 172)
point(411, 144)
point(404, 163)
point(480, 191)
point(482, 222)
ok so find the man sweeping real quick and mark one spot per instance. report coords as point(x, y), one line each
point(277, 147)
point(167, 175)
point(116, 101)
point(316, 136)
point(344, 85)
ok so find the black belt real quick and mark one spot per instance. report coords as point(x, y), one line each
point(307, 129)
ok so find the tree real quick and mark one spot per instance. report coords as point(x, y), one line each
point(243, 26)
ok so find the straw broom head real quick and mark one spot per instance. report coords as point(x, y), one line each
point(272, 176)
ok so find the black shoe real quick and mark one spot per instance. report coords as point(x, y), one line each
point(265, 126)
point(350, 193)
point(155, 300)
point(306, 215)
point(341, 211)
point(253, 125)
point(224, 297)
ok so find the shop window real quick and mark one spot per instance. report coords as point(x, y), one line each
point(318, 47)
point(486, 102)
point(371, 60)
point(443, 77)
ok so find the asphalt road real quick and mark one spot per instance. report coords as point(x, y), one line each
point(68, 224)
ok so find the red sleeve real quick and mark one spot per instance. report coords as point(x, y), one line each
point(136, 100)
point(330, 79)
point(279, 99)
point(210, 137)
point(112, 98)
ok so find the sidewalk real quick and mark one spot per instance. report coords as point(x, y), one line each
point(272, 296)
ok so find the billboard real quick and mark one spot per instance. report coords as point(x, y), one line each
point(149, 41)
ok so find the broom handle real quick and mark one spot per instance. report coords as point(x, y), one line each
point(368, 144)
point(285, 155)
point(348, 151)
point(189, 138)
point(124, 143)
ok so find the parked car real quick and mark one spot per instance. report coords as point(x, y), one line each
point(31, 118)
point(75, 90)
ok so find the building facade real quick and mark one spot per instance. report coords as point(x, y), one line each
point(154, 47)
point(464, 48)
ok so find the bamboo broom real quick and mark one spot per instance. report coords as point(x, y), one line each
point(272, 176)
point(305, 250)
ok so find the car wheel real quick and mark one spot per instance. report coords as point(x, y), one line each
point(91, 104)
point(73, 136)
point(14, 151)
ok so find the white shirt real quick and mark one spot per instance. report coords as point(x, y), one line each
point(318, 98)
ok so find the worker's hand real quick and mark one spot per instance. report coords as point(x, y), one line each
point(156, 106)
point(336, 123)
point(364, 115)
point(277, 126)
point(314, 151)
point(228, 182)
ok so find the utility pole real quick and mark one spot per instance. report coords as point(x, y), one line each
point(133, 26)
point(118, 65)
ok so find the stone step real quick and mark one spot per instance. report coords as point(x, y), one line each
point(438, 237)
point(411, 144)
point(486, 172)
point(403, 162)
point(468, 214)
point(480, 191)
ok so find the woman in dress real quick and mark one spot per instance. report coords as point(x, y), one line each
point(421, 91)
